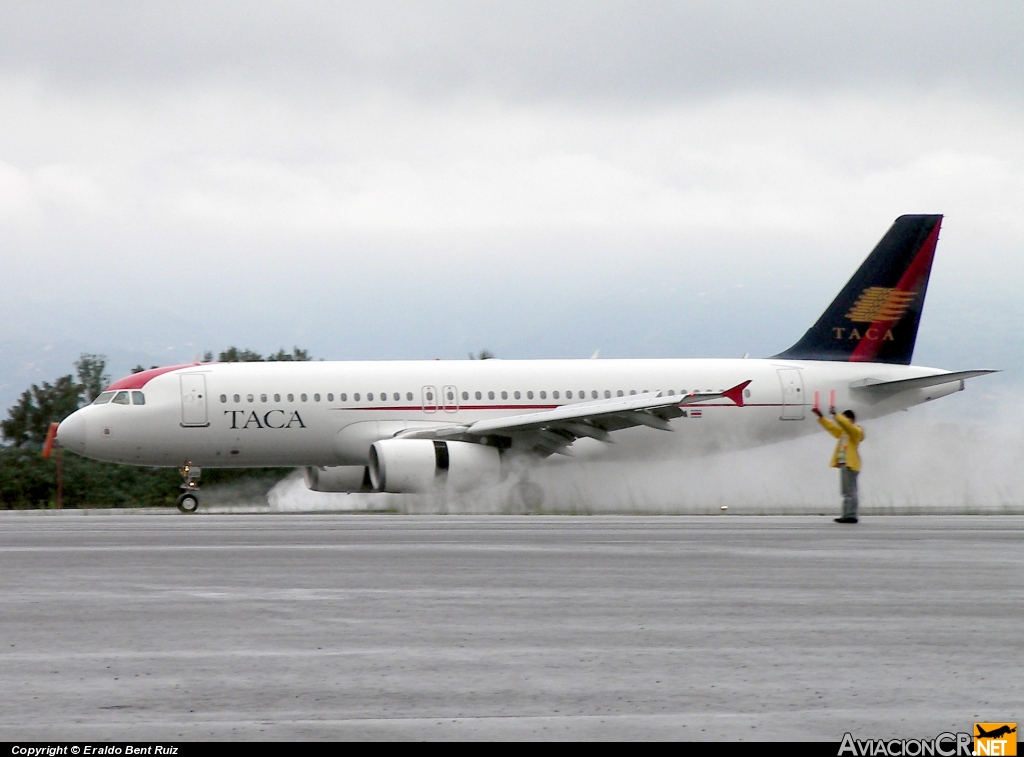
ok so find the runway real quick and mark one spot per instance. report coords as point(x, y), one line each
point(120, 626)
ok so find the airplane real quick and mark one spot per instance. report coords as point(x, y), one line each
point(454, 426)
point(995, 733)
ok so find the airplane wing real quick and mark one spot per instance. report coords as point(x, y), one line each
point(551, 431)
point(883, 388)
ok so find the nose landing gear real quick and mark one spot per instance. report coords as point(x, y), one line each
point(188, 500)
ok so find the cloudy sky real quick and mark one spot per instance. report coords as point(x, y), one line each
point(418, 180)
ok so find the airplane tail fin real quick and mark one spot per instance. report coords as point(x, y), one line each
point(874, 319)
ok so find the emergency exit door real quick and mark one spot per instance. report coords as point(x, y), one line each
point(792, 381)
point(429, 399)
point(450, 399)
point(193, 399)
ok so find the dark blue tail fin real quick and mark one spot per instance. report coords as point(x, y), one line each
point(875, 318)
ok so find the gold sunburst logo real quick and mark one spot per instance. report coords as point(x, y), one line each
point(880, 304)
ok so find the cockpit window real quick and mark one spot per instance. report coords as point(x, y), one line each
point(104, 398)
point(121, 398)
point(138, 398)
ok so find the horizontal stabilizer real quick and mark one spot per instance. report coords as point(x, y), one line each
point(877, 386)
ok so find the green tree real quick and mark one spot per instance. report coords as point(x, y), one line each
point(92, 377)
point(484, 354)
point(235, 355)
point(30, 418)
point(19, 418)
point(295, 354)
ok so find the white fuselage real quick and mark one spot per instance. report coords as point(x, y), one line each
point(327, 413)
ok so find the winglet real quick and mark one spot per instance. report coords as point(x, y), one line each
point(51, 435)
point(736, 393)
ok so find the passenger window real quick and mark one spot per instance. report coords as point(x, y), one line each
point(632, 392)
point(121, 398)
point(465, 396)
point(237, 398)
point(302, 397)
point(291, 398)
point(138, 398)
point(543, 395)
point(263, 398)
point(369, 396)
point(583, 394)
point(396, 396)
point(343, 397)
point(517, 395)
point(330, 397)
point(607, 394)
point(568, 395)
point(529, 395)
point(618, 393)
point(555, 394)
point(250, 398)
point(479, 396)
point(356, 396)
point(223, 398)
point(451, 395)
point(277, 398)
point(105, 397)
point(430, 397)
point(490, 395)
point(504, 395)
point(593, 394)
point(408, 396)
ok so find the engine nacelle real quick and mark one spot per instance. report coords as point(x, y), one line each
point(338, 478)
point(410, 466)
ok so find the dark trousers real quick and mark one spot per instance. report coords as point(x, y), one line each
point(848, 488)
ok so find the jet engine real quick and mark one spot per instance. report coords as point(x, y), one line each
point(421, 465)
point(338, 478)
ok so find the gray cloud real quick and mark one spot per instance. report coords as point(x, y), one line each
point(417, 180)
point(599, 51)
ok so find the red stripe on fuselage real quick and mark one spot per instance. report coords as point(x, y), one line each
point(433, 409)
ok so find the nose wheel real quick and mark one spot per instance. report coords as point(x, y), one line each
point(188, 500)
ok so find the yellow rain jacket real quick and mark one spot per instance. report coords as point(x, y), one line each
point(849, 436)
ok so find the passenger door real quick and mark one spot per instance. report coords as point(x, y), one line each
point(792, 381)
point(193, 400)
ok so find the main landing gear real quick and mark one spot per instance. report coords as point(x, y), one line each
point(188, 500)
